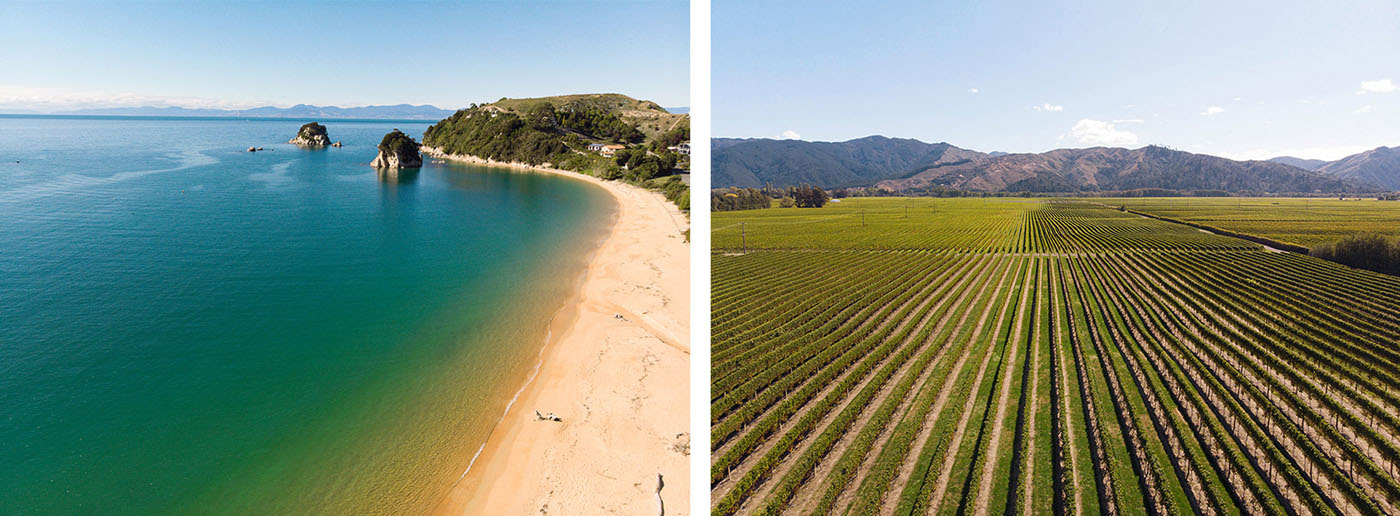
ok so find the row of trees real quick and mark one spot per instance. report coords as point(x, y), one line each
point(808, 196)
point(1372, 252)
point(733, 199)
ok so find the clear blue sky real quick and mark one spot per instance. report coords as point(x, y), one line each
point(449, 54)
point(1244, 79)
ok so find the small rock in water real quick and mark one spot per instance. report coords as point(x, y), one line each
point(311, 135)
point(252, 149)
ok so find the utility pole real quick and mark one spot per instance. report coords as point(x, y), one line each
point(744, 237)
point(862, 218)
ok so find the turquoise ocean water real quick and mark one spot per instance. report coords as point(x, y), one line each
point(189, 327)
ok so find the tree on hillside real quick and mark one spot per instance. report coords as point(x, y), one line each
point(541, 117)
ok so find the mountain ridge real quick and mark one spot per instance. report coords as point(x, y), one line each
point(743, 162)
point(1380, 166)
point(394, 112)
point(902, 164)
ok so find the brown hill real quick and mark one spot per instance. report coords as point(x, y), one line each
point(1379, 166)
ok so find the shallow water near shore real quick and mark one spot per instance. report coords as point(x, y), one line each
point(189, 327)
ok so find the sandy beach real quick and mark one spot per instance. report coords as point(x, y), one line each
point(616, 372)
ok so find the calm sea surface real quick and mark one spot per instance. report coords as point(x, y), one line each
point(189, 327)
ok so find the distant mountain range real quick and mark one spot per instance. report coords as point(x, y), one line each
point(1379, 166)
point(911, 165)
point(860, 162)
point(1305, 164)
point(396, 112)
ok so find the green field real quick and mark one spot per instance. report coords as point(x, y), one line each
point(1304, 222)
point(972, 356)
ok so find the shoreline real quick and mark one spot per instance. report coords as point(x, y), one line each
point(614, 367)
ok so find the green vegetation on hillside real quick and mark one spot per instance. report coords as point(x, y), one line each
point(679, 133)
point(598, 123)
point(860, 162)
point(398, 143)
point(912, 167)
point(644, 115)
point(542, 133)
point(490, 134)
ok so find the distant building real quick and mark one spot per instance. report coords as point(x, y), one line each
point(683, 148)
point(606, 150)
point(609, 150)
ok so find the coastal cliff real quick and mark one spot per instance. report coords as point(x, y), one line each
point(311, 135)
point(397, 150)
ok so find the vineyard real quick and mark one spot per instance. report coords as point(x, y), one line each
point(1299, 221)
point(970, 356)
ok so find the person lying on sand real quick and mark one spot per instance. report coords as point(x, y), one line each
point(546, 417)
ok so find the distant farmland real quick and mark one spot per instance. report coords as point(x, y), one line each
point(969, 356)
point(1304, 222)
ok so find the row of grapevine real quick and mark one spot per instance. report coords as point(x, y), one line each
point(1076, 359)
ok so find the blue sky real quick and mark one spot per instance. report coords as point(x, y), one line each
point(1242, 79)
point(242, 54)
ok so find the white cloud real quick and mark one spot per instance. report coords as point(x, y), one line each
point(1099, 132)
point(1213, 110)
point(1048, 107)
point(974, 91)
point(1377, 86)
point(1364, 109)
point(1128, 121)
point(791, 135)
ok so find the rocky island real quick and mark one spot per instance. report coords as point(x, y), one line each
point(397, 150)
point(311, 135)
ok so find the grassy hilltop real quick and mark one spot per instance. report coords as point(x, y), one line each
point(647, 116)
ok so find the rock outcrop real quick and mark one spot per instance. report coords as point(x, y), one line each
point(397, 150)
point(311, 135)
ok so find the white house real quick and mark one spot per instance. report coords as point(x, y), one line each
point(609, 150)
